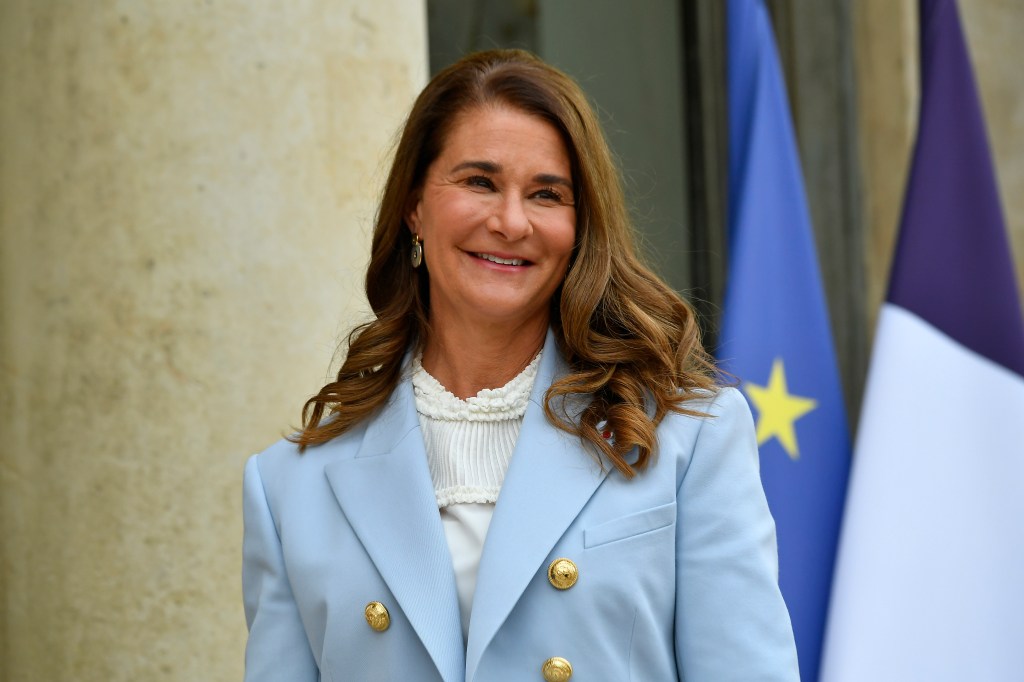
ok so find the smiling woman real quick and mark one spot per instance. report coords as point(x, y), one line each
point(477, 497)
point(498, 226)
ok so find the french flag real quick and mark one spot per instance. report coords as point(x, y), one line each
point(929, 581)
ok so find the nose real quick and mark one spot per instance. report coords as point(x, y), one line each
point(510, 220)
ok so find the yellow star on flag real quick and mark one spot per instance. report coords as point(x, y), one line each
point(778, 410)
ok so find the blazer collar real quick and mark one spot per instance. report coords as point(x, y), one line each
point(387, 496)
point(549, 480)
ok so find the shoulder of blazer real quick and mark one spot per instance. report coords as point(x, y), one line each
point(721, 404)
point(282, 467)
point(727, 430)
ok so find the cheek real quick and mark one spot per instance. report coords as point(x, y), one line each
point(564, 239)
point(454, 219)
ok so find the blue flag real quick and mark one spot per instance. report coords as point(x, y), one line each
point(775, 336)
point(928, 580)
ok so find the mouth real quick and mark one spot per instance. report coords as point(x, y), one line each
point(501, 261)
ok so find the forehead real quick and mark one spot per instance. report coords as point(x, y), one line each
point(500, 129)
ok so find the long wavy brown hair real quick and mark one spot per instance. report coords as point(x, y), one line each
point(633, 345)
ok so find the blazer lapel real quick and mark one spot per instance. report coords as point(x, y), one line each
point(549, 480)
point(388, 498)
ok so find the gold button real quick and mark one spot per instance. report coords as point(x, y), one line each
point(562, 573)
point(377, 616)
point(556, 669)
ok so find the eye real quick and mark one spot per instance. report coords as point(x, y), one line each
point(479, 182)
point(549, 195)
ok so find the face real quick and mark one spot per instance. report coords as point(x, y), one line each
point(497, 218)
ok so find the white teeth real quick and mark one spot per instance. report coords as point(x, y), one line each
point(500, 261)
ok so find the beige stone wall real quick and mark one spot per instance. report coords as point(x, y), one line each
point(186, 191)
point(885, 38)
point(886, 35)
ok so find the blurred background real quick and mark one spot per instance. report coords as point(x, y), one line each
point(186, 195)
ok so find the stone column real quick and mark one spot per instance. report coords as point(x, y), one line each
point(186, 195)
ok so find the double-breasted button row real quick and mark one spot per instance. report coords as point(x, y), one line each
point(562, 574)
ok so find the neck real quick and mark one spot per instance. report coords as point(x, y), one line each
point(468, 359)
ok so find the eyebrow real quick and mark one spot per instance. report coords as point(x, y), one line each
point(546, 179)
point(485, 166)
point(491, 167)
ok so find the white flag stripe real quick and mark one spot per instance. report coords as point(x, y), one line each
point(929, 581)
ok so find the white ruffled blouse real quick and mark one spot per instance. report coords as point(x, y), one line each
point(469, 444)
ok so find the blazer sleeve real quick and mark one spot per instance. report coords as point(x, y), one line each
point(731, 621)
point(277, 648)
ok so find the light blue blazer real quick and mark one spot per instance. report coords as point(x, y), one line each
point(677, 567)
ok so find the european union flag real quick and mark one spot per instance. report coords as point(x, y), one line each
point(775, 331)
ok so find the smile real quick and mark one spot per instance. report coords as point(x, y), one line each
point(500, 261)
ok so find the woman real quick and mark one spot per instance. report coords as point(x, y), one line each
point(518, 347)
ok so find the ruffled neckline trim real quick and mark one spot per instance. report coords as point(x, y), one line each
point(490, 404)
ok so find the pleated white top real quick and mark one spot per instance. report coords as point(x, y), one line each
point(469, 444)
